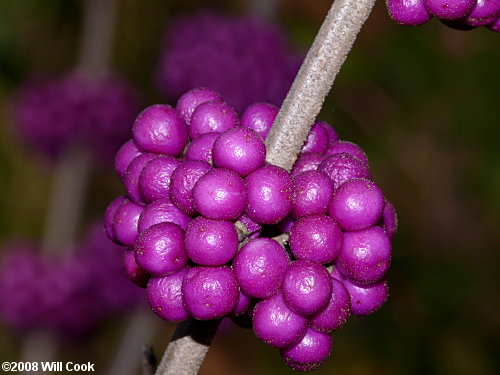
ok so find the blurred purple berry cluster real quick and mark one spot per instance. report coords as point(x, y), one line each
point(54, 114)
point(70, 295)
point(203, 208)
point(227, 54)
point(458, 14)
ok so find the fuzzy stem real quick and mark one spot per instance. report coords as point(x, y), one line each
point(185, 353)
point(314, 80)
point(189, 346)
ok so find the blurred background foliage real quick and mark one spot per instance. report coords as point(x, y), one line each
point(423, 102)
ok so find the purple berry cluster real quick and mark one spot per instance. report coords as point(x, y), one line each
point(459, 14)
point(202, 209)
point(226, 53)
point(53, 114)
point(69, 295)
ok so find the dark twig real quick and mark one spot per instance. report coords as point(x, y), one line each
point(148, 360)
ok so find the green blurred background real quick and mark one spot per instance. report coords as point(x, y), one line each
point(423, 103)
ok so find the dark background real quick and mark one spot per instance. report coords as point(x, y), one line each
point(423, 102)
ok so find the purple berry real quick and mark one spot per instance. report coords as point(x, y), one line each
point(449, 9)
point(253, 228)
point(23, 280)
point(408, 12)
point(162, 211)
point(336, 274)
point(125, 155)
point(316, 237)
point(277, 325)
point(307, 287)
point(201, 148)
point(220, 194)
point(188, 102)
point(52, 114)
point(125, 222)
point(313, 192)
point(336, 313)
point(131, 176)
point(347, 147)
point(260, 117)
point(160, 129)
point(182, 182)
point(270, 194)
point(260, 267)
point(109, 216)
point(239, 149)
point(285, 225)
point(495, 25)
point(154, 179)
point(332, 134)
point(307, 161)
point(242, 306)
point(357, 204)
point(365, 255)
point(215, 116)
point(389, 219)
point(210, 292)
point(135, 273)
point(343, 167)
point(211, 242)
point(366, 299)
point(165, 296)
point(310, 352)
point(317, 139)
point(485, 12)
point(244, 58)
point(160, 249)
point(485, 9)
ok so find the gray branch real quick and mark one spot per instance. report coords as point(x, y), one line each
point(191, 340)
point(188, 347)
point(314, 80)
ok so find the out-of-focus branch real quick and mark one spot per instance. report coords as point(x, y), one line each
point(98, 35)
point(139, 330)
point(66, 200)
point(263, 8)
point(71, 175)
